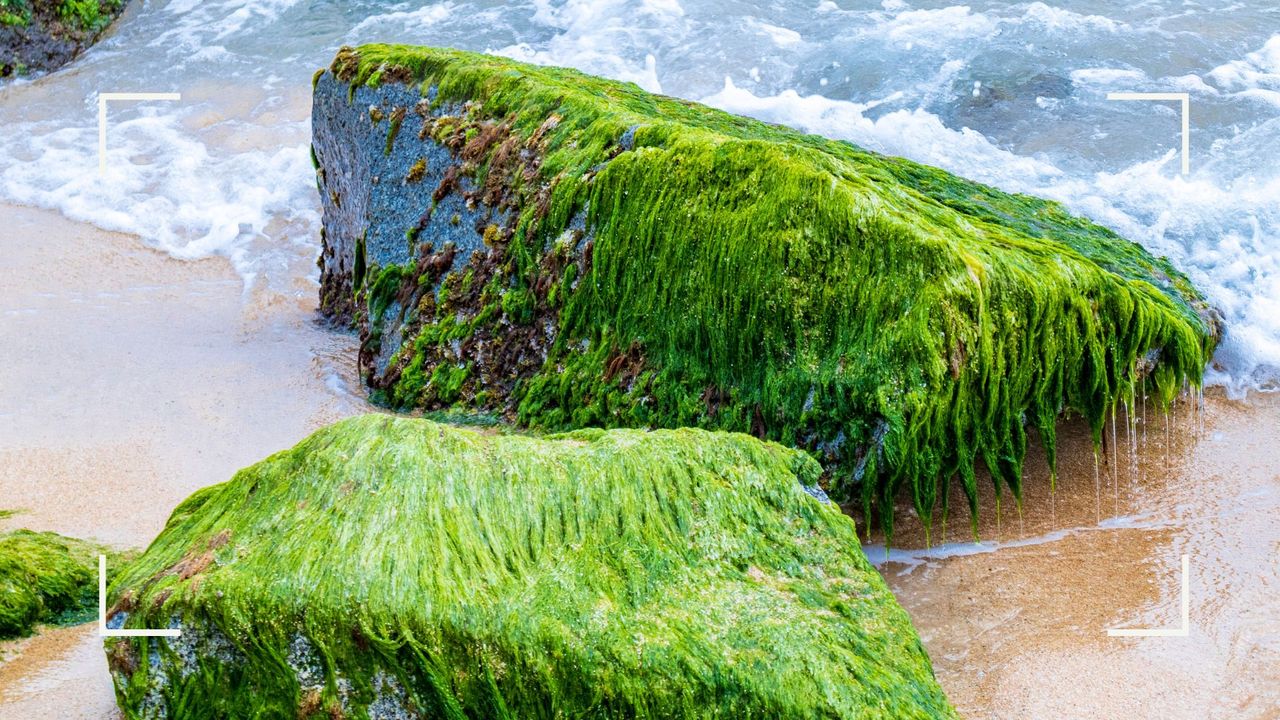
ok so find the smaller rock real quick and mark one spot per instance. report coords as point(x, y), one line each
point(43, 35)
point(44, 578)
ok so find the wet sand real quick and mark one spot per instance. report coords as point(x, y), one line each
point(130, 380)
point(1016, 625)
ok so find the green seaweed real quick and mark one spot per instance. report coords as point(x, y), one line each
point(382, 291)
point(45, 578)
point(91, 15)
point(596, 574)
point(902, 324)
point(77, 15)
point(15, 13)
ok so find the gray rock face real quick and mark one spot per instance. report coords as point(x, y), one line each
point(417, 227)
point(202, 646)
point(392, 187)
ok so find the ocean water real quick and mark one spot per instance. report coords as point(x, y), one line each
point(1012, 94)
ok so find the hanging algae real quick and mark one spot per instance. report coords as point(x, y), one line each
point(45, 578)
point(394, 567)
point(644, 261)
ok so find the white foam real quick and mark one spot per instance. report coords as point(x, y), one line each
point(197, 23)
point(911, 559)
point(936, 28)
point(917, 134)
point(1257, 70)
point(780, 36)
point(1059, 19)
point(424, 16)
point(1127, 77)
point(596, 35)
point(164, 185)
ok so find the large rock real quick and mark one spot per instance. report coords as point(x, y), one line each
point(568, 251)
point(44, 35)
point(398, 568)
point(45, 578)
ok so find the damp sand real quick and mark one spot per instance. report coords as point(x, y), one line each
point(1016, 624)
point(131, 379)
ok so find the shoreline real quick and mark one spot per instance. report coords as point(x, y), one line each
point(150, 375)
point(136, 380)
point(1017, 628)
point(110, 327)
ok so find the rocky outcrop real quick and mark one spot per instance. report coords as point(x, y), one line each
point(566, 251)
point(43, 35)
point(398, 568)
point(45, 578)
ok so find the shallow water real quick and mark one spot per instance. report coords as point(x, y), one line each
point(1013, 94)
point(1016, 625)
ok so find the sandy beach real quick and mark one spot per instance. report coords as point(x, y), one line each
point(1017, 626)
point(132, 379)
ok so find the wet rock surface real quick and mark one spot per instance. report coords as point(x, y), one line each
point(560, 251)
point(39, 36)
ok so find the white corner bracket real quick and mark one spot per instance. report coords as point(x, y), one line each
point(103, 98)
point(1183, 98)
point(1183, 631)
point(103, 630)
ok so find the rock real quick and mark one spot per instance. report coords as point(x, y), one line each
point(45, 578)
point(44, 35)
point(398, 568)
point(567, 251)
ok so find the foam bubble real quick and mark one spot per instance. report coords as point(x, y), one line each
point(936, 28)
point(1256, 76)
point(424, 16)
point(782, 37)
point(605, 37)
point(1059, 19)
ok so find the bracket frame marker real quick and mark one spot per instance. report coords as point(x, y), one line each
point(1184, 99)
point(105, 631)
point(103, 98)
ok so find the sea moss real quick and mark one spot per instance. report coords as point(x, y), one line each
point(651, 262)
point(45, 578)
point(388, 565)
point(15, 13)
point(88, 14)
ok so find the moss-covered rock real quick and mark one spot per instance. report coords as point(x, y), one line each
point(572, 252)
point(45, 578)
point(395, 568)
point(44, 35)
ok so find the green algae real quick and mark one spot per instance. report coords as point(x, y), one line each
point(82, 15)
point(596, 574)
point(45, 578)
point(15, 13)
point(902, 324)
point(88, 15)
point(41, 36)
